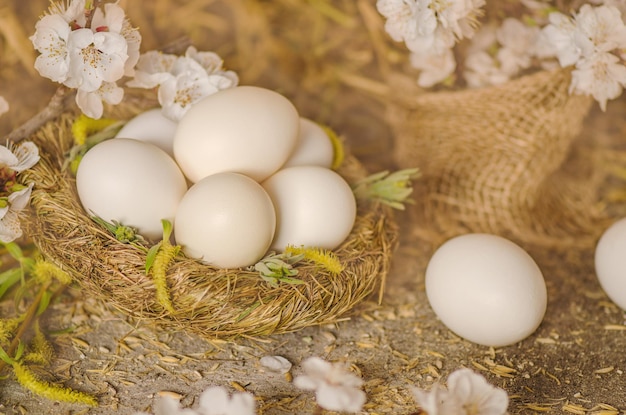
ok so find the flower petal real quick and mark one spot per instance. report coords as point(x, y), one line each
point(27, 155)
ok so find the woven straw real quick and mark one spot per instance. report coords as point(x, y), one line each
point(213, 303)
point(493, 159)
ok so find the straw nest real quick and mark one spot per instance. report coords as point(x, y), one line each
point(213, 303)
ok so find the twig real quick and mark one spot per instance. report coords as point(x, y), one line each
point(54, 108)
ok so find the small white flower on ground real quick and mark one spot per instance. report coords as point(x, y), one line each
point(603, 76)
point(166, 405)
point(276, 364)
point(336, 388)
point(476, 395)
point(468, 393)
point(4, 105)
point(216, 401)
point(437, 401)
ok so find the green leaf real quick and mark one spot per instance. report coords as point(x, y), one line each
point(167, 229)
point(151, 256)
point(14, 250)
point(5, 357)
point(44, 303)
point(20, 351)
point(8, 279)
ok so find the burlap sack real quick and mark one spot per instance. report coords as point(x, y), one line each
point(501, 160)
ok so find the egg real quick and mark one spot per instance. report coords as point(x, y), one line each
point(152, 127)
point(313, 148)
point(227, 220)
point(486, 289)
point(132, 182)
point(315, 207)
point(246, 129)
point(610, 262)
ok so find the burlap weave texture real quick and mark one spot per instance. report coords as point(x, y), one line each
point(499, 160)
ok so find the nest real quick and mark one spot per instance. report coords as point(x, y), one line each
point(210, 302)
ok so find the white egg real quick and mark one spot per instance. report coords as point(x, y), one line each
point(610, 262)
point(314, 147)
point(152, 127)
point(226, 220)
point(246, 129)
point(486, 289)
point(315, 207)
point(132, 182)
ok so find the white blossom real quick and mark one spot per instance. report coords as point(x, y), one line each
point(434, 68)
point(603, 76)
point(51, 41)
point(517, 42)
point(4, 105)
point(113, 19)
point(406, 19)
point(9, 213)
point(90, 59)
point(481, 69)
point(19, 158)
point(216, 401)
point(588, 40)
point(437, 401)
point(468, 393)
point(13, 196)
point(96, 57)
point(430, 29)
point(336, 389)
point(91, 103)
point(182, 80)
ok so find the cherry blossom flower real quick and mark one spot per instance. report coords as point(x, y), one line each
point(216, 401)
point(482, 69)
point(50, 40)
point(90, 59)
point(213, 401)
point(434, 68)
point(91, 103)
point(430, 29)
point(4, 105)
point(603, 77)
point(9, 213)
point(14, 196)
point(336, 389)
point(588, 41)
point(517, 42)
point(182, 80)
point(468, 393)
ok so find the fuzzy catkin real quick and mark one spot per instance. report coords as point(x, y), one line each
point(27, 379)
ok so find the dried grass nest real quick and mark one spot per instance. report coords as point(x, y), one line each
point(210, 302)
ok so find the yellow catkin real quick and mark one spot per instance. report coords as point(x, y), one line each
point(166, 253)
point(45, 271)
point(28, 380)
point(322, 257)
point(84, 126)
point(41, 349)
point(7, 328)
